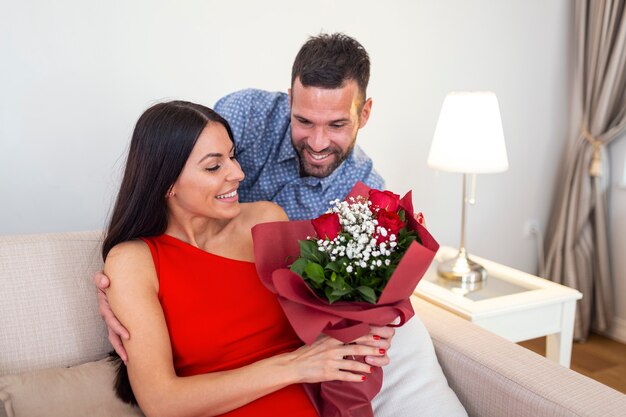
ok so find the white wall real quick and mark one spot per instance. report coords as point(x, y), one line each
point(76, 75)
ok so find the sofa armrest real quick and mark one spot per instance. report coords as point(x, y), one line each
point(495, 377)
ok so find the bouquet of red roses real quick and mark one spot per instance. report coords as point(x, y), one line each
point(355, 266)
point(358, 246)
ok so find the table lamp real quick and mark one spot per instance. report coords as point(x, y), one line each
point(468, 139)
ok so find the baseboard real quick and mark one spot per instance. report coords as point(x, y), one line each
point(618, 330)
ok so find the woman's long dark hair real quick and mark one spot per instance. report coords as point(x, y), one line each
point(162, 141)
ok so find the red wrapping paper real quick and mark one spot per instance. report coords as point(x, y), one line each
point(276, 247)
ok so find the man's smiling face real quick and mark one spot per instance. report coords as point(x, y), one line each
point(324, 125)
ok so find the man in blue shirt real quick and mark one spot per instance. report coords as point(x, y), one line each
point(298, 149)
point(278, 171)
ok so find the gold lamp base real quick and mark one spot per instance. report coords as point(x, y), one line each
point(461, 268)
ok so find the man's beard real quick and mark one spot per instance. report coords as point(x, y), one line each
point(309, 170)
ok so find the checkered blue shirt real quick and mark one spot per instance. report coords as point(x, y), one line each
point(260, 122)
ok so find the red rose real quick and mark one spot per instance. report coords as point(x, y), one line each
point(327, 226)
point(384, 200)
point(391, 222)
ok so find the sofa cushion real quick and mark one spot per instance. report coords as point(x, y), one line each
point(83, 390)
point(413, 382)
point(45, 281)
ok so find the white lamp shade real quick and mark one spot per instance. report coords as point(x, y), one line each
point(469, 136)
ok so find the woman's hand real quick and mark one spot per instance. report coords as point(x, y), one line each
point(115, 328)
point(329, 359)
point(378, 337)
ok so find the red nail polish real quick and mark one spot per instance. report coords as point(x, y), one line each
point(382, 351)
point(363, 378)
point(376, 337)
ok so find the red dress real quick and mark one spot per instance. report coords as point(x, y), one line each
point(220, 317)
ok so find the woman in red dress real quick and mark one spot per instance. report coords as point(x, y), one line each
point(207, 337)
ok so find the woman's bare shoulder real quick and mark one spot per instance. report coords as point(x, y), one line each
point(262, 212)
point(125, 251)
point(129, 258)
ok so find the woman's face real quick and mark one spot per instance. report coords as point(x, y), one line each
point(207, 185)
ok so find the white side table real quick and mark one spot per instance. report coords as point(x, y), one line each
point(511, 303)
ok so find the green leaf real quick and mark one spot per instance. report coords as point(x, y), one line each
point(372, 282)
point(308, 250)
point(342, 292)
point(328, 292)
point(332, 298)
point(338, 283)
point(334, 266)
point(368, 294)
point(298, 266)
point(315, 272)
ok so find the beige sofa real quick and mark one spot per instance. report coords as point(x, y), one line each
point(53, 346)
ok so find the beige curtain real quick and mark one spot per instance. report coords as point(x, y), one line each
point(577, 245)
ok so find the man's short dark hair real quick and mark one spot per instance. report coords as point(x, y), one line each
point(329, 60)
